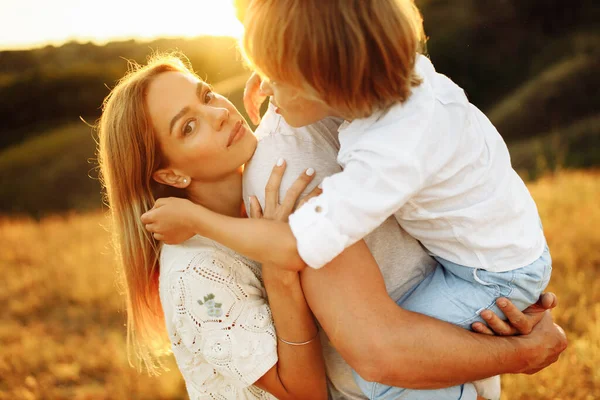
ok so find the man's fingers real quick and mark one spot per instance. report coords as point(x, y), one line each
point(294, 192)
point(517, 319)
point(496, 324)
point(548, 301)
point(272, 188)
point(150, 227)
point(482, 328)
point(255, 209)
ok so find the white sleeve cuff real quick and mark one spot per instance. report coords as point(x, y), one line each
point(317, 240)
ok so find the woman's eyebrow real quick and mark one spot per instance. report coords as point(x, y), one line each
point(180, 114)
point(201, 88)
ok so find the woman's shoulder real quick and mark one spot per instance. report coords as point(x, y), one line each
point(208, 262)
point(199, 246)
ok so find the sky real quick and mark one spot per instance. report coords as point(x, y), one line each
point(34, 23)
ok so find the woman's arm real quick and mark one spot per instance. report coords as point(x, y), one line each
point(385, 343)
point(216, 307)
point(300, 371)
point(296, 328)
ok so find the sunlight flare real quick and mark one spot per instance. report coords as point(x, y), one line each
point(63, 20)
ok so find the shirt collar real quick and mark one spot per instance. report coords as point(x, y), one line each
point(361, 124)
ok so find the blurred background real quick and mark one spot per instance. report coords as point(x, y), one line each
point(533, 66)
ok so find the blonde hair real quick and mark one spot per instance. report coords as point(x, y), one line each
point(356, 56)
point(128, 154)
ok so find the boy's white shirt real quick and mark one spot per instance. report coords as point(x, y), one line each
point(438, 164)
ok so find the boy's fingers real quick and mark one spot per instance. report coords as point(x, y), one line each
point(294, 192)
point(496, 324)
point(148, 217)
point(517, 319)
point(482, 328)
point(158, 236)
point(272, 188)
point(255, 209)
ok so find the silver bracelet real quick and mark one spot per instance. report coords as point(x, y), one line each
point(299, 343)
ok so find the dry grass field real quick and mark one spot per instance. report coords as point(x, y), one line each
point(62, 320)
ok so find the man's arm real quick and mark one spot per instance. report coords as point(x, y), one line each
point(385, 343)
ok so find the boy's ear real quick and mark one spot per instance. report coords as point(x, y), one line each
point(171, 178)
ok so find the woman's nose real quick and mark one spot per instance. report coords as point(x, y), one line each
point(219, 117)
point(265, 87)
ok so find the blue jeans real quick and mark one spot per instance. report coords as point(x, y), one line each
point(458, 294)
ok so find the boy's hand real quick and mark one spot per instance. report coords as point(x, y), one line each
point(169, 220)
point(253, 98)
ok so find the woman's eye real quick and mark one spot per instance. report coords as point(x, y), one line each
point(189, 127)
point(208, 96)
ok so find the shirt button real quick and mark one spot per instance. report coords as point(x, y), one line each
point(318, 209)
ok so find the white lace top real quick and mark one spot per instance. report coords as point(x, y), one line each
point(218, 319)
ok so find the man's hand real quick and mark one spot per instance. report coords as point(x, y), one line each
point(169, 220)
point(518, 322)
point(542, 338)
point(543, 345)
point(253, 98)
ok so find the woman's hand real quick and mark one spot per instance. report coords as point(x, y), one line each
point(169, 220)
point(281, 212)
point(273, 209)
point(253, 98)
point(519, 323)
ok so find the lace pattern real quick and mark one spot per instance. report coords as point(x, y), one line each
point(218, 319)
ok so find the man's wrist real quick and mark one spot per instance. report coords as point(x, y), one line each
point(522, 355)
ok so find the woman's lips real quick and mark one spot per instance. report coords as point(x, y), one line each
point(237, 132)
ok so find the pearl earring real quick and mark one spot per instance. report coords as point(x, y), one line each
point(185, 181)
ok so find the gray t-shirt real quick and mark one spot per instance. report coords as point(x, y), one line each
point(402, 260)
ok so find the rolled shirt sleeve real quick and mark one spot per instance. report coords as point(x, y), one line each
point(354, 202)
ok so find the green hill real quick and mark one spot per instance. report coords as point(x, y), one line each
point(530, 65)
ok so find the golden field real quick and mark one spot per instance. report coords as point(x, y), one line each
point(62, 333)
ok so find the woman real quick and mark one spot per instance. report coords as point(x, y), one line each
point(164, 133)
point(213, 300)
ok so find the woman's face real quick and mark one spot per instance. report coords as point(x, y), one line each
point(294, 106)
point(200, 133)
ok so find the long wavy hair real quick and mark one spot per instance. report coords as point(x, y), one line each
point(128, 154)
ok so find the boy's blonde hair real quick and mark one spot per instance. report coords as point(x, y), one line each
point(128, 154)
point(357, 56)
